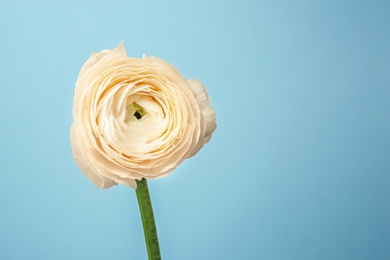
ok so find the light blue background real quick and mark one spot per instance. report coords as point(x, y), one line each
point(298, 167)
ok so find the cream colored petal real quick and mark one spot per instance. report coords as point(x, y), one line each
point(210, 121)
point(118, 51)
point(207, 111)
point(83, 162)
point(86, 72)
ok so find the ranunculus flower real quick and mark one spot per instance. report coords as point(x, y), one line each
point(136, 118)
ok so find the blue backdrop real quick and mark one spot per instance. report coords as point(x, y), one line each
point(298, 167)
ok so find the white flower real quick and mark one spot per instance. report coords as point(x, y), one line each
point(136, 118)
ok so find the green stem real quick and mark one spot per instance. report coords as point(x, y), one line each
point(146, 209)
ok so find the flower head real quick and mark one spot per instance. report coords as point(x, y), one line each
point(136, 118)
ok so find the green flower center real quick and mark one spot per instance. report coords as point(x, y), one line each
point(135, 110)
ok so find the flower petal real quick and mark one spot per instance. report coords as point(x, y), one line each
point(83, 163)
point(207, 111)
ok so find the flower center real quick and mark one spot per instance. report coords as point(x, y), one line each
point(135, 110)
point(145, 120)
point(137, 115)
